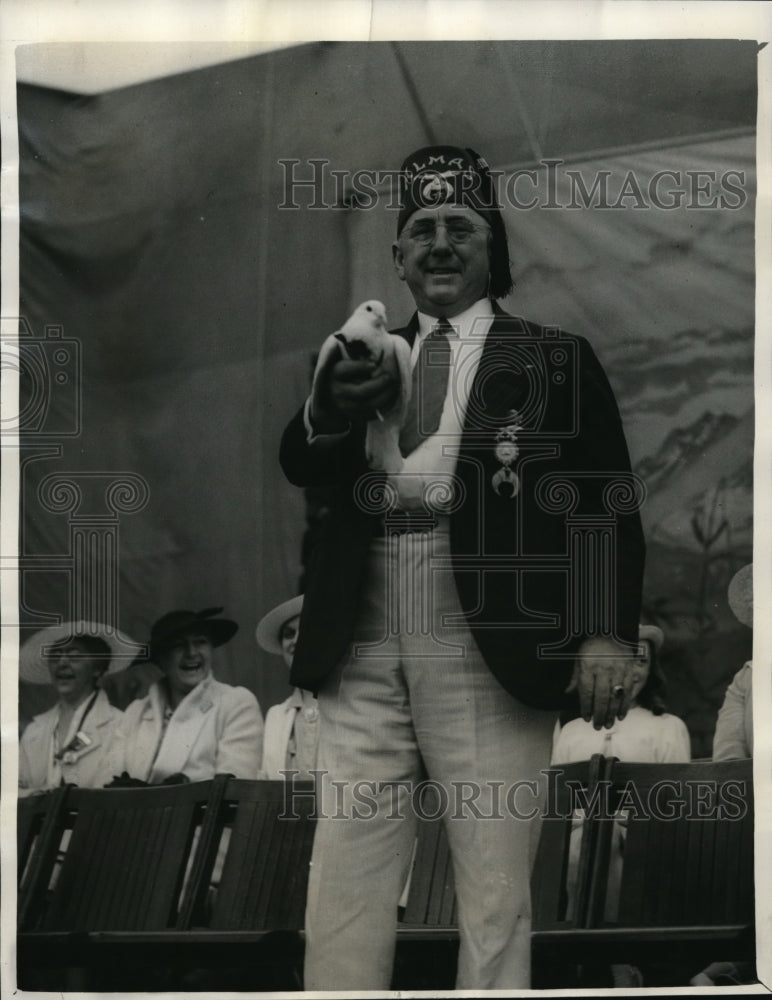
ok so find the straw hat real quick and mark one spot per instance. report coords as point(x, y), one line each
point(740, 595)
point(34, 655)
point(267, 632)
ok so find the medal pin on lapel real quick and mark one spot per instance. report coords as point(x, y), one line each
point(505, 481)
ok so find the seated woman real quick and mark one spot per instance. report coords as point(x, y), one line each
point(733, 737)
point(291, 728)
point(67, 744)
point(189, 726)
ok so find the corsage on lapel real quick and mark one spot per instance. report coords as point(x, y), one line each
point(70, 753)
point(505, 481)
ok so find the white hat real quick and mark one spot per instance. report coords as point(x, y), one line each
point(740, 595)
point(34, 654)
point(652, 634)
point(268, 631)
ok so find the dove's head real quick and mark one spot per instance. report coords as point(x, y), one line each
point(372, 313)
point(360, 336)
point(445, 176)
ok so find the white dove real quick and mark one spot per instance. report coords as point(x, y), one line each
point(364, 337)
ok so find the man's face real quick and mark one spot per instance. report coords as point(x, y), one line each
point(187, 662)
point(288, 637)
point(74, 671)
point(446, 269)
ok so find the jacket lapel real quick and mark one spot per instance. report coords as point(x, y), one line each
point(277, 738)
point(500, 384)
point(408, 332)
point(182, 731)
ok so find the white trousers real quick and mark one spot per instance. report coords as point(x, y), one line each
point(413, 698)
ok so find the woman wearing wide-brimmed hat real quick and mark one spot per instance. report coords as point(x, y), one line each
point(292, 728)
point(733, 738)
point(189, 726)
point(67, 744)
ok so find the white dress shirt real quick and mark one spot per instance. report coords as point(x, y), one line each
point(434, 460)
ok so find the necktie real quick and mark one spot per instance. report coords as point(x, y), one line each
point(430, 386)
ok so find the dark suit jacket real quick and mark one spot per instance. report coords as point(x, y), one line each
point(527, 568)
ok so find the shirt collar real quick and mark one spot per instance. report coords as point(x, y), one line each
point(463, 322)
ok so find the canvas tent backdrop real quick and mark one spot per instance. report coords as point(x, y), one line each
point(152, 234)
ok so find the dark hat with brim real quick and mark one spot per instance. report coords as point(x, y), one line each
point(268, 632)
point(35, 654)
point(175, 624)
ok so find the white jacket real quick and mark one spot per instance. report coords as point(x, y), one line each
point(82, 767)
point(734, 726)
point(278, 728)
point(216, 729)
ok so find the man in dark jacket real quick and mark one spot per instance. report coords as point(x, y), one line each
point(450, 605)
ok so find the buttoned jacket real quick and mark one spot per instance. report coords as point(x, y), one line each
point(536, 572)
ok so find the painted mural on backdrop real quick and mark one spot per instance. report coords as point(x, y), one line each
point(675, 298)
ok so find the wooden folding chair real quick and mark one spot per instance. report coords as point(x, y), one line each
point(253, 937)
point(553, 927)
point(686, 889)
point(430, 911)
point(122, 875)
point(427, 933)
point(687, 880)
point(39, 817)
point(265, 874)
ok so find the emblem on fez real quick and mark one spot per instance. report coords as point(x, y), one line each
point(437, 188)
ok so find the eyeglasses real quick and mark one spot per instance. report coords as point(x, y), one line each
point(458, 231)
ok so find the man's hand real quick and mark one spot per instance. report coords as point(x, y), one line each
point(603, 676)
point(351, 391)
